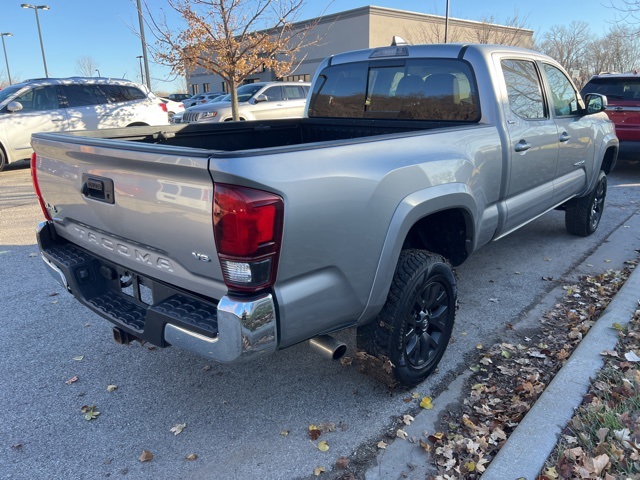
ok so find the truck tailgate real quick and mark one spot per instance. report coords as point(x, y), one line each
point(143, 206)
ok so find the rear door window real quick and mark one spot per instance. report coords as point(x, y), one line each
point(83, 95)
point(294, 92)
point(524, 89)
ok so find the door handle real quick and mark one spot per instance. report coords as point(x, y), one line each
point(565, 137)
point(522, 146)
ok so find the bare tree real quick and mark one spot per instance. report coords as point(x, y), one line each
point(512, 31)
point(431, 31)
point(86, 66)
point(569, 45)
point(233, 38)
point(628, 13)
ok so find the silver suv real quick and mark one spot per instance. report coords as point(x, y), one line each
point(78, 103)
point(256, 101)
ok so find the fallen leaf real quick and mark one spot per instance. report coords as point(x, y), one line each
point(618, 327)
point(79, 358)
point(284, 433)
point(382, 445)
point(32, 255)
point(407, 419)
point(631, 357)
point(111, 388)
point(401, 434)
point(426, 403)
point(191, 457)
point(178, 428)
point(145, 456)
point(609, 353)
point(89, 412)
point(318, 470)
point(206, 368)
point(73, 379)
point(479, 346)
point(314, 432)
point(342, 463)
point(323, 446)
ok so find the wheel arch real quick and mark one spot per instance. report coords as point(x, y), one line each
point(440, 220)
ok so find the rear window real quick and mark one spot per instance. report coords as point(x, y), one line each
point(419, 89)
point(615, 88)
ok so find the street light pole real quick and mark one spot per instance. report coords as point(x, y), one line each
point(98, 72)
point(446, 25)
point(35, 9)
point(6, 59)
point(144, 47)
point(139, 57)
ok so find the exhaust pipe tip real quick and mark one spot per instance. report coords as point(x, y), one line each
point(122, 337)
point(328, 347)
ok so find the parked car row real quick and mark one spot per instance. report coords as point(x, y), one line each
point(77, 103)
point(623, 96)
point(256, 101)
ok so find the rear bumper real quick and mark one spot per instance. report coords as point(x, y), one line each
point(229, 330)
point(629, 150)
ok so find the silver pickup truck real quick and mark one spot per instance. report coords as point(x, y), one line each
point(237, 239)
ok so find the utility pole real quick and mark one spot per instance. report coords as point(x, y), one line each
point(144, 47)
point(446, 24)
point(6, 59)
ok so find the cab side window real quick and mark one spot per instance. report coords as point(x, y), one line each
point(524, 89)
point(564, 96)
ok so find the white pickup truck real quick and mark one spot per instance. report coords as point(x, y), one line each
point(236, 239)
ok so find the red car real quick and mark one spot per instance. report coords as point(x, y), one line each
point(623, 93)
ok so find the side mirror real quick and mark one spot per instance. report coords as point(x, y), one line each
point(261, 98)
point(595, 103)
point(14, 107)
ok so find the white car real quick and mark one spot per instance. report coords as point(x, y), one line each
point(256, 101)
point(172, 107)
point(78, 103)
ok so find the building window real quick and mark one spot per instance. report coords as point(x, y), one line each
point(224, 87)
point(205, 88)
point(194, 89)
point(297, 78)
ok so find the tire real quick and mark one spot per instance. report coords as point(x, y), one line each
point(582, 215)
point(414, 327)
point(3, 159)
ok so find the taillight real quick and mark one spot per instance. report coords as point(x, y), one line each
point(36, 187)
point(247, 226)
point(163, 106)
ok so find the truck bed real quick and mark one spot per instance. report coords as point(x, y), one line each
point(232, 136)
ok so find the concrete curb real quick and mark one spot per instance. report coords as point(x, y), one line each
point(529, 446)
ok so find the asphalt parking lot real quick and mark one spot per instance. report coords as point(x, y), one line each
point(243, 421)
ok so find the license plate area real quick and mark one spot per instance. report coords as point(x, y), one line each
point(98, 188)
